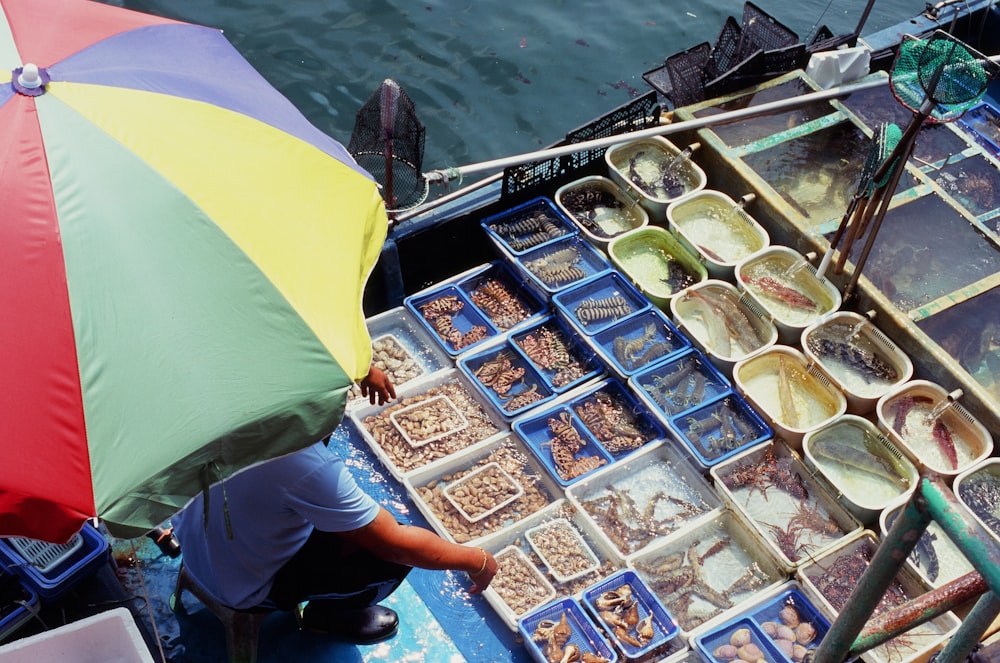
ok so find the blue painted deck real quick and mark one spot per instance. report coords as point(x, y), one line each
point(439, 620)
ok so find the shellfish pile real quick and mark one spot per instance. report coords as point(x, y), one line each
point(389, 356)
point(518, 583)
point(619, 610)
point(555, 636)
point(791, 634)
point(562, 549)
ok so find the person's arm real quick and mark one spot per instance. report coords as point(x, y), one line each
point(377, 385)
point(420, 547)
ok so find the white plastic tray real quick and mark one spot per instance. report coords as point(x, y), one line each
point(568, 542)
point(497, 481)
point(440, 407)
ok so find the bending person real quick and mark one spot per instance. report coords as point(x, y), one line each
point(298, 528)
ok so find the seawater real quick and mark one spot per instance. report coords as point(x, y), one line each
point(489, 79)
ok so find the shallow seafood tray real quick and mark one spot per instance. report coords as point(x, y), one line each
point(774, 493)
point(450, 318)
point(545, 623)
point(599, 302)
point(934, 430)
point(427, 487)
point(857, 357)
point(935, 560)
point(428, 402)
point(601, 209)
point(560, 265)
point(860, 465)
point(792, 395)
point(722, 323)
point(559, 355)
point(705, 575)
point(558, 433)
point(656, 170)
point(631, 616)
point(529, 225)
point(829, 580)
point(680, 384)
point(717, 229)
point(506, 379)
point(501, 297)
point(978, 488)
point(638, 341)
point(720, 429)
point(525, 580)
point(656, 262)
point(619, 421)
point(786, 286)
point(783, 625)
point(643, 500)
point(402, 348)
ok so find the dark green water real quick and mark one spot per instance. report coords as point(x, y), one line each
point(489, 79)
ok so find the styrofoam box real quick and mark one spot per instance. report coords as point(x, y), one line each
point(599, 302)
point(534, 223)
point(935, 560)
point(583, 363)
point(774, 492)
point(483, 423)
point(397, 328)
point(585, 634)
point(720, 429)
point(732, 561)
point(680, 384)
point(562, 264)
point(485, 367)
point(107, 636)
point(619, 213)
point(915, 645)
point(638, 341)
point(425, 484)
point(516, 588)
point(628, 416)
point(659, 480)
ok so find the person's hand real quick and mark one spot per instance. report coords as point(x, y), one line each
point(377, 385)
point(482, 579)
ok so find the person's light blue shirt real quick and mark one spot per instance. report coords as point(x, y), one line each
point(273, 508)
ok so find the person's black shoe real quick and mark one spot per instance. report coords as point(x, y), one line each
point(363, 626)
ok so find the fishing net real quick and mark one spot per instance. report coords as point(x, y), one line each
point(388, 142)
point(942, 70)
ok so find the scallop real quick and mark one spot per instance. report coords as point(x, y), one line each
point(750, 652)
point(789, 616)
point(725, 652)
point(805, 633)
point(740, 637)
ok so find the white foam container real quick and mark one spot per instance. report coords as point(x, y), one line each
point(756, 378)
point(949, 561)
point(734, 235)
point(860, 498)
point(573, 541)
point(692, 323)
point(790, 322)
point(977, 441)
point(632, 213)
point(618, 158)
point(861, 394)
point(107, 636)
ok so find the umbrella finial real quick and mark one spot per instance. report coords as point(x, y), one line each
point(30, 80)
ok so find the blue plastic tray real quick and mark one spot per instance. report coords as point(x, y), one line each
point(707, 645)
point(507, 393)
point(462, 321)
point(20, 602)
point(515, 306)
point(534, 430)
point(530, 225)
point(585, 633)
point(720, 429)
point(599, 302)
point(649, 607)
point(560, 371)
point(562, 264)
point(639, 341)
point(609, 410)
point(55, 581)
point(680, 384)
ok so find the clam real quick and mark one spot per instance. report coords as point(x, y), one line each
point(798, 652)
point(784, 633)
point(805, 633)
point(770, 628)
point(725, 652)
point(785, 646)
point(789, 616)
point(749, 652)
point(740, 637)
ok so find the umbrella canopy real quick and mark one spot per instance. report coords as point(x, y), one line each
point(182, 260)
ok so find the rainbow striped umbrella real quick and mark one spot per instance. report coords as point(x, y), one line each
point(182, 260)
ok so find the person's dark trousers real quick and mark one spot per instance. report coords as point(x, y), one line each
point(335, 575)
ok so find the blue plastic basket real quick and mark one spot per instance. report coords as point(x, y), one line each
point(649, 607)
point(560, 376)
point(534, 430)
point(743, 630)
point(462, 321)
point(510, 397)
point(585, 633)
point(680, 384)
point(792, 597)
point(18, 602)
point(528, 226)
point(638, 341)
point(562, 264)
point(720, 429)
point(51, 579)
point(594, 305)
point(518, 305)
point(634, 417)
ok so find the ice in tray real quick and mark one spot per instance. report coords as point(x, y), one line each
point(482, 492)
point(519, 583)
point(562, 549)
point(428, 421)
